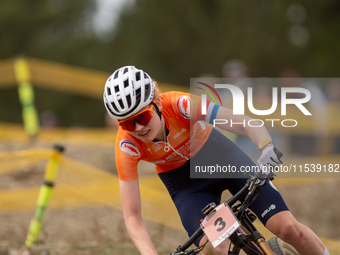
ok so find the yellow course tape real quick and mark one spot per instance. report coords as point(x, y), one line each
point(15, 133)
point(15, 161)
point(82, 185)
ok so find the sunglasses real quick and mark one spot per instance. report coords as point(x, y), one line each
point(142, 118)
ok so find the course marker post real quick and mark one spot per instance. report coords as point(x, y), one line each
point(26, 96)
point(51, 171)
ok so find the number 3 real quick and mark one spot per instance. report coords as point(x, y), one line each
point(221, 223)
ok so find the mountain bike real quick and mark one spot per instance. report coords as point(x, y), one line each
point(233, 220)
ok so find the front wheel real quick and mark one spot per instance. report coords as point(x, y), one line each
point(280, 247)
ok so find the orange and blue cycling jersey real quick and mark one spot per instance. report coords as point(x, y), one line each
point(192, 142)
point(188, 132)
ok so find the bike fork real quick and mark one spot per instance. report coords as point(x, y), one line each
point(264, 246)
point(256, 236)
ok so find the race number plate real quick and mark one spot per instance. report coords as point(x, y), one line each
point(220, 224)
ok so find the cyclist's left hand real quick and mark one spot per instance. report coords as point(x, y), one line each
point(270, 156)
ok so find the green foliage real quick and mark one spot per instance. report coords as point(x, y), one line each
point(181, 39)
point(40, 28)
point(176, 40)
point(71, 110)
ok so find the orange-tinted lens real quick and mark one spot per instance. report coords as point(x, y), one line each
point(142, 118)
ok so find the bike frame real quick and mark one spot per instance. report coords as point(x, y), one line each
point(251, 239)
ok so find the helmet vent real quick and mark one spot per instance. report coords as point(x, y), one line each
point(116, 89)
point(138, 94)
point(137, 103)
point(126, 83)
point(125, 70)
point(147, 92)
point(116, 75)
point(108, 108)
point(145, 76)
point(115, 107)
point(128, 98)
point(120, 101)
point(108, 91)
point(138, 76)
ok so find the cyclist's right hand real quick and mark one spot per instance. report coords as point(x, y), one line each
point(270, 157)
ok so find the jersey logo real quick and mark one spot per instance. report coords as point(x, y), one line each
point(184, 106)
point(156, 147)
point(129, 148)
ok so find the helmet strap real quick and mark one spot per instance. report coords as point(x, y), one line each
point(160, 116)
point(157, 110)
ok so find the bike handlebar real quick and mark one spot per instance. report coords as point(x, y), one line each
point(253, 181)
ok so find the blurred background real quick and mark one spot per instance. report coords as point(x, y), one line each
point(55, 56)
point(171, 40)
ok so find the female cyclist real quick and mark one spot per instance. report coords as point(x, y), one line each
point(169, 131)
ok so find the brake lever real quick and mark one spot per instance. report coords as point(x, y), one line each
point(270, 176)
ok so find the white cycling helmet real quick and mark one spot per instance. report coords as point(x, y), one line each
point(127, 91)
